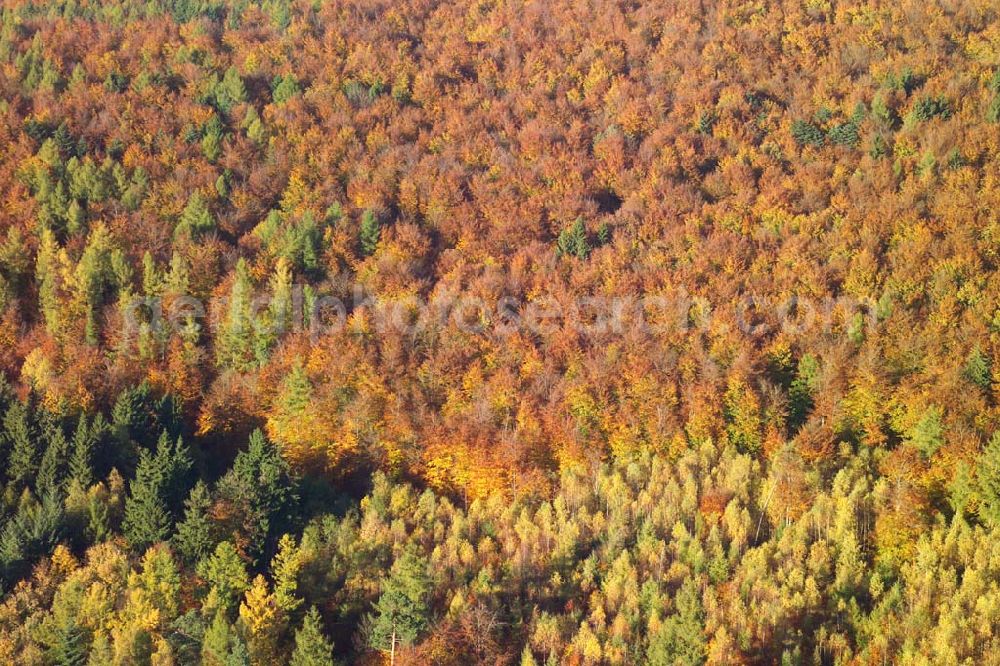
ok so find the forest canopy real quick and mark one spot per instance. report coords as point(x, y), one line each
point(501, 332)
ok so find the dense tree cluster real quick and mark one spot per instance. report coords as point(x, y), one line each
point(794, 460)
point(696, 559)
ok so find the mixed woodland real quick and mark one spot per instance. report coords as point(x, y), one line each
point(796, 462)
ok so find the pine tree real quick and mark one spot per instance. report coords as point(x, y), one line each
point(961, 489)
point(988, 482)
point(194, 539)
point(879, 147)
point(603, 234)
point(32, 533)
point(800, 393)
point(222, 186)
point(47, 276)
point(254, 126)
point(279, 313)
point(230, 91)
point(281, 297)
point(261, 492)
point(806, 134)
point(211, 143)
point(218, 640)
point(226, 573)
point(236, 343)
point(681, 637)
point(178, 282)
point(86, 440)
point(296, 391)
point(291, 422)
point(100, 650)
point(573, 241)
point(978, 369)
point(160, 482)
point(311, 647)
point(927, 108)
point(169, 415)
point(174, 459)
point(239, 655)
point(99, 508)
point(334, 214)
point(742, 412)
point(845, 134)
point(135, 192)
point(15, 259)
point(53, 468)
point(68, 643)
point(76, 218)
point(927, 435)
point(309, 309)
point(285, 567)
point(64, 140)
point(20, 439)
point(993, 111)
point(196, 218)
point(131, 417)
point(147, 520)
point(13, 546)
point(160, 580)
point(94, 276)
point(370, 232)
point(284, 88)
point(152, 280)
point(401, 613)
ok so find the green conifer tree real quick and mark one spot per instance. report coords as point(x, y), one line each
point(68, 643)
point(370, 232)
point(147, 519)
point(311, 647)
point(230, 91)
point(978, 369)
point(573, 241)
point(236, 347)
point(217, 642)
point(681, 638)
point(226, 573)
point(194, 540)
point(988, 482)
point(47, 276)
point(159, 484)
point(196, 218)
point(76, 218)
point(20, 438)
point(94, 276)
point(401, 613)
point(284, 88)
point(86, 448)
point(261, 492)
point(800, 393)
point(53, 468)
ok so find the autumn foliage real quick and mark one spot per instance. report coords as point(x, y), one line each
point(262, 259)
